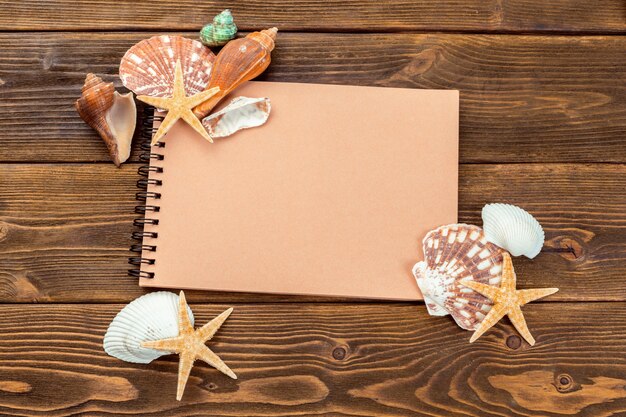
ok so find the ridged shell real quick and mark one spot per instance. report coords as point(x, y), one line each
point(152, 316)
point(220, 31)
point(109, 113)
point(239, 61)
point(241, 113)
point(148, 67)
point(453, 253)
point(513, 229)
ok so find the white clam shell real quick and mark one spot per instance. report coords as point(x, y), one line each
point(152, 316)
point(241, 113)
point(513, 229)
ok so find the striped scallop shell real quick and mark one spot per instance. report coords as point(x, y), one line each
point(148, 67)
point(453, 253)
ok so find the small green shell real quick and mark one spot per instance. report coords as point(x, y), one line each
point(220, 31)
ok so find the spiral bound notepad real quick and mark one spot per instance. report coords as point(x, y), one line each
point(332, 196)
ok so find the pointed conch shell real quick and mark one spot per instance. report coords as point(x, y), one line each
point(109, 113)
point(148, 67)
point(239, 61)
point(153, 316)
point(453, 253)
point(513, 229)
point(241, 113)
point(220, 31)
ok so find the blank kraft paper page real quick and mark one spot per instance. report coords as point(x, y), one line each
point(332, 196)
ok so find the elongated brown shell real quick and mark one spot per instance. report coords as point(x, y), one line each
point(110, 114)
point(148, 67)
point(239, 61)
point(453, 253)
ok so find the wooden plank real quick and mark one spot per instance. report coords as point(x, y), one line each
point(321, 15)
point(523, 98)
point(64, 229)
point(330, 360)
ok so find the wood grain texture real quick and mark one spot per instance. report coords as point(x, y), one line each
point(543, 125)
point(320, 15)
point(323, 360)
point(523, 98)
point(65, 229)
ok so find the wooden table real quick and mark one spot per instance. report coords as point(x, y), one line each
point(543, 125)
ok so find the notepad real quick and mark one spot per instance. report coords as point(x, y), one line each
point(331, 197)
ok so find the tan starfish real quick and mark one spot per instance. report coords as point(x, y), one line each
point(179, 106)
point(190, 345)
point(507, 301)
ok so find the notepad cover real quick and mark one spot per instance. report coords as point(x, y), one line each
point(332, 196)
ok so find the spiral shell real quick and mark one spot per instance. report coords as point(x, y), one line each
point(148, 67)
point(453, 253)
point(239, 61)
point(109, 113)
point(220, 31)
point(153, 316)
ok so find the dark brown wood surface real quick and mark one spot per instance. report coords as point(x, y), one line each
point(523, 98)
point(64, 234)
point(603, 16)
point(543, 125)
point(323, 359)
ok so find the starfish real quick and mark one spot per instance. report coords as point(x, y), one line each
point(179, 106)
point(507, 301)
point(190, 345)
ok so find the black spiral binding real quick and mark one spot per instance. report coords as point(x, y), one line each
point(147, 130)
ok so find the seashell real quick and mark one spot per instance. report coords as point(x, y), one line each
point(453, 253)
point(153, 316)
point(148, 67)
point(109, 113)
point(513, 229)
point(220, 31)
point(241, 113)
point(239, 61)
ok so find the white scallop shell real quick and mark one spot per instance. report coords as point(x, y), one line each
point(148, 67)
point(152, 316)
point(453, 253)
point(513, 229)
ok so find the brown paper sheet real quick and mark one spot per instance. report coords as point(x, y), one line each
point(332, 196)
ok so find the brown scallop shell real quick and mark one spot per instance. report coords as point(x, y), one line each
point(109, 113)
point(239, 61)
point(148, 67)
point(453, 253)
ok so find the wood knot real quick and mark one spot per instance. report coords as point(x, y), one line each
point(48, 60)
point(4, 231)
point(568, 247)
point(15, 387)
point(339, 353)
point(211, 386)
point(513, 342)
point(564, 383)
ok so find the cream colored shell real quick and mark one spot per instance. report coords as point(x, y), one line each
point(153, 316)
point(513, 229)
point(241, 113)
